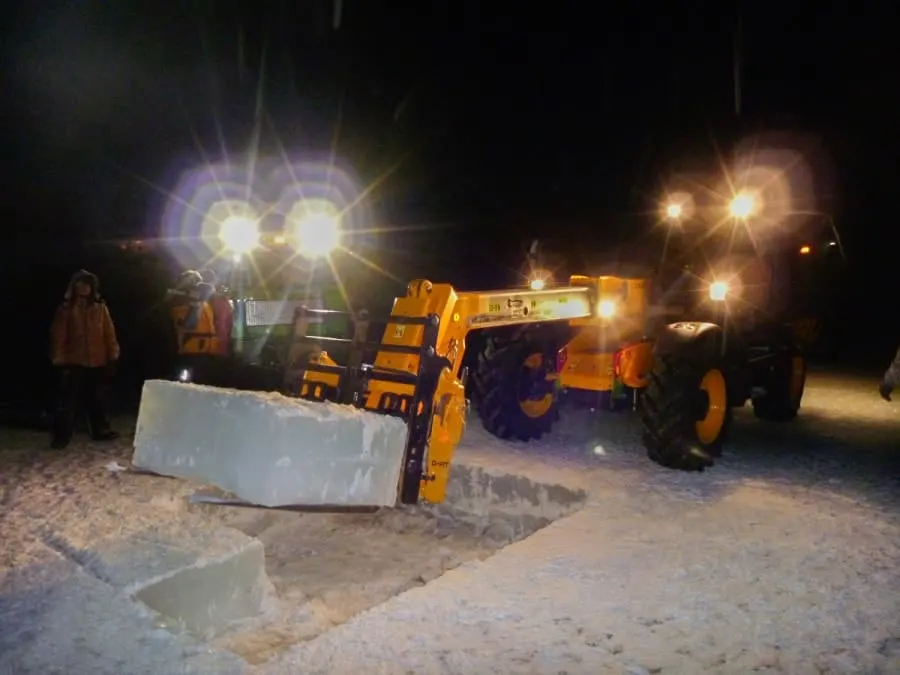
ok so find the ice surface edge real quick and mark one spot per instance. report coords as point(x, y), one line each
point(269, 449)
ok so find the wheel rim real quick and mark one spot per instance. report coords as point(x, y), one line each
point(798, 378)
point(709, 428)
point(533, 402)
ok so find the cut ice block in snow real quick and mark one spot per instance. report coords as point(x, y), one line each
point(269, 449)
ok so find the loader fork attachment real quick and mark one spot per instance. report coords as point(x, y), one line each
point(349, 384)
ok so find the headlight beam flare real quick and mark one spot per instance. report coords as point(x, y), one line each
point(240, 234)
point(314, 228)
point(673, 211)
point(373, 266)
point(742, 206)
point(318, 235)
point(606, 309)
point(718, 291)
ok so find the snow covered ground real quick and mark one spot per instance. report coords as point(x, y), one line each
point(781, 558)
point(785, 557)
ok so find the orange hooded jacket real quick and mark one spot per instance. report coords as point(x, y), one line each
point(83, 334)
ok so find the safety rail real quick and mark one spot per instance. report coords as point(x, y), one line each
point(266, 313)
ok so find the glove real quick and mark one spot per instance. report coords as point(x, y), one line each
point(885, 390)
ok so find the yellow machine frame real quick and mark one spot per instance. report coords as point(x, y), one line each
point(603, 351)
point(607, 311)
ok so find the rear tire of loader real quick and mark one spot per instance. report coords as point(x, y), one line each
point(784, 390)
point(513, 398)
point(685, 412)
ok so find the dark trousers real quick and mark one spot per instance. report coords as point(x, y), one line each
point(81, 390)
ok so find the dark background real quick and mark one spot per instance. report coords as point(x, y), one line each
point(487, 123)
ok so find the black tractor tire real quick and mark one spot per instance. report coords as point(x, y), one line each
point(784, 385)
point(671, 406)
point(501, 380)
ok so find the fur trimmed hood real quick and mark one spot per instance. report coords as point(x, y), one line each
point(90, 278)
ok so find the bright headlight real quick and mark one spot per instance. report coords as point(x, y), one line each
point(673, 211)
point(240, 234)
point(538, 279)
point(606, 309)
point(742, 206)
point(315, 228)
point(317, 234)
point(718, 290)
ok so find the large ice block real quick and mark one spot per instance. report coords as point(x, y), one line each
point(269, 449)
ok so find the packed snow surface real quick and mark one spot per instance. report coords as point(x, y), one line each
point(781, 558)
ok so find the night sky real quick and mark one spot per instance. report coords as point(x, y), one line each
point(492, 126)
point(524, 119)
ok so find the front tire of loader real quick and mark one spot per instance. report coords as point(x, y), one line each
point(514, 399)
point(685, 412)
point(784, 390)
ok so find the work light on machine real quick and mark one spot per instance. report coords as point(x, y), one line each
point(239, 234)
point(674, 211)
point(742, 206)
point(315, 229)
point(606, 309)
point(718, 291)
point(677, 207)
point(539, 280)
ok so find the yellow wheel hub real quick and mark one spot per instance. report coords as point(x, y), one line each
point(535, 407)
point(710, 427)
point(798, 377)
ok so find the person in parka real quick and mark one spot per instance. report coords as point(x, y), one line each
point(891, 378)
point(84, 348)
point(223, 311)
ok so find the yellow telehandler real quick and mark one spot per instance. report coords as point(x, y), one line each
point(373, 419)
point(689, 373)
point(687, 359)
point(417, 372)
point(726, 325)
point(339, 456)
